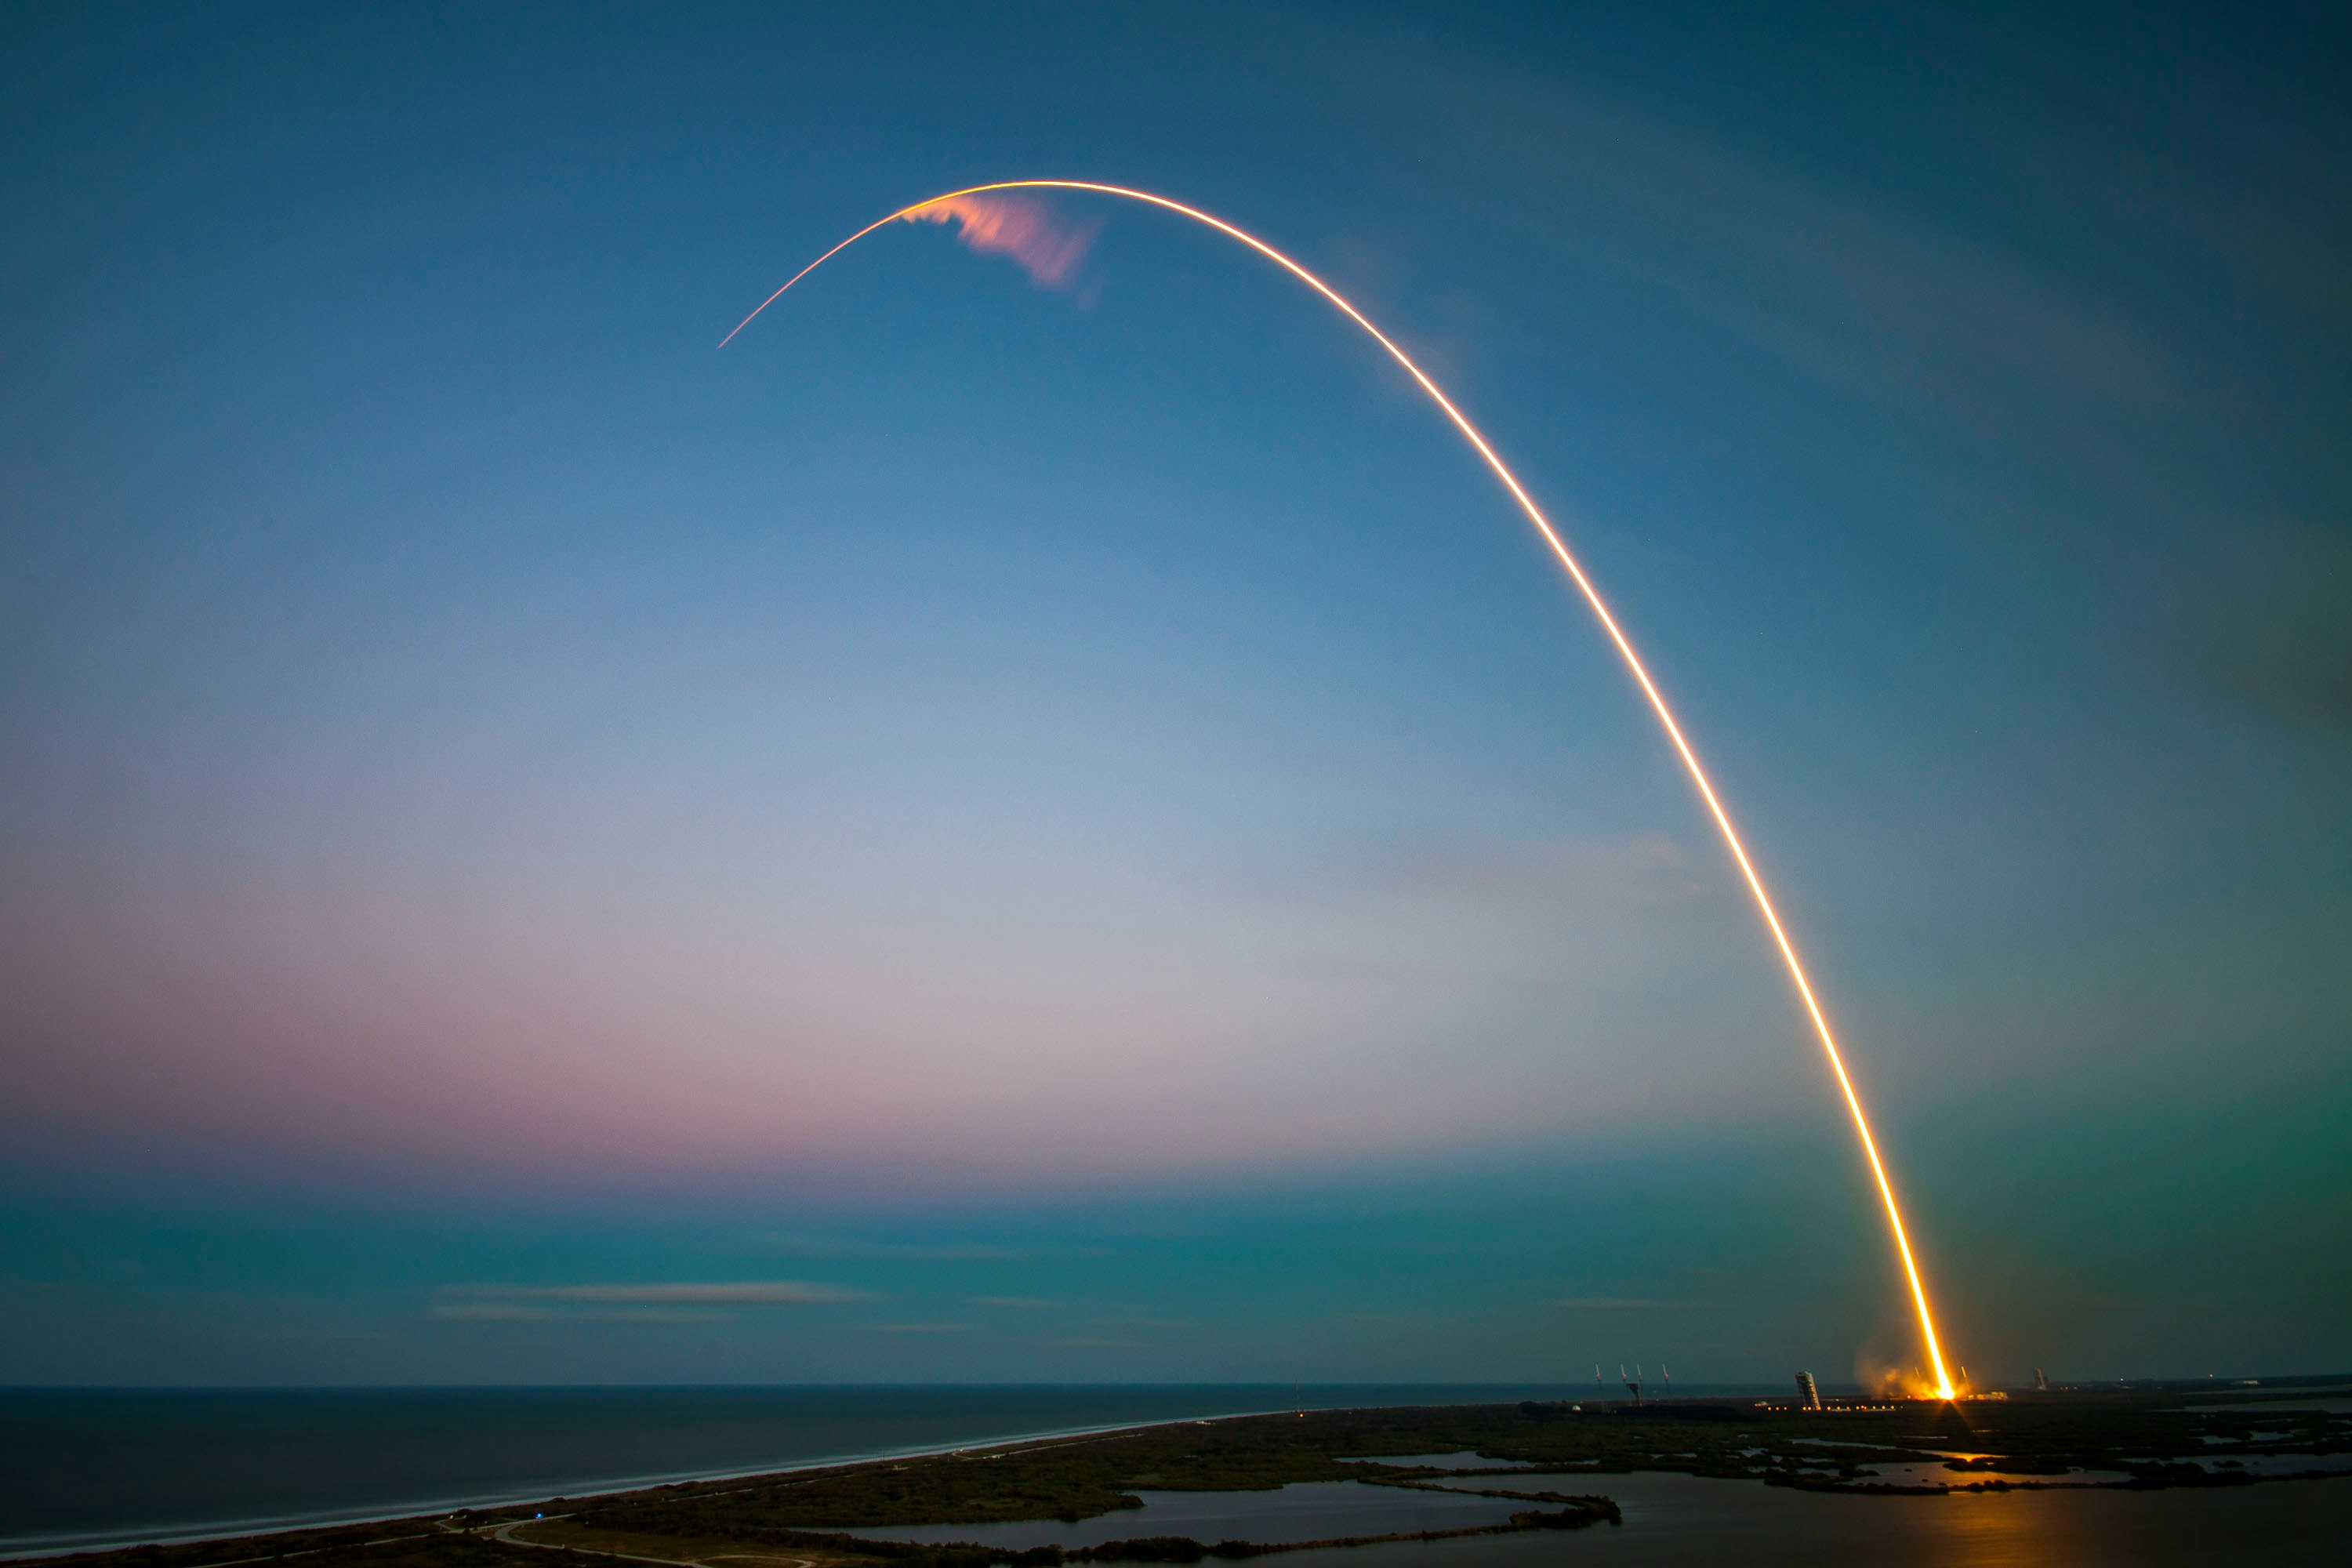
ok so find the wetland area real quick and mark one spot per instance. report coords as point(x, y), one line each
point(2118, 1475)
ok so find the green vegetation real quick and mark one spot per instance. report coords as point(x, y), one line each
point(2137, 1438)
point(409, 1544)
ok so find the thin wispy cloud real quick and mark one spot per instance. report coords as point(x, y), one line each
point(1857, 290)
point(505, 1312)
point(680, 1293)
point(795, 1245)
point(725, 1292)
point(2266, 627)
point(1649, 869)
point(1138, 1323)
point(1627, 1304)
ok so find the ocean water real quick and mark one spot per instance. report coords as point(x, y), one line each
point(90, 1467)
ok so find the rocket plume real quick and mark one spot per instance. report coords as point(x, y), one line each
point(1018, 226)
point(1001, 235)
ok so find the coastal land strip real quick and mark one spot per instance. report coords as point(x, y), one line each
point(2130, 1440)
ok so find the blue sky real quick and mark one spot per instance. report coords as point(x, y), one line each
point(1088, 796)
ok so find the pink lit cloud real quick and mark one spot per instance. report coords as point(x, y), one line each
point(1023, 227)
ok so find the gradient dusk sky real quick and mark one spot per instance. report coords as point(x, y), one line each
point(1039, 817)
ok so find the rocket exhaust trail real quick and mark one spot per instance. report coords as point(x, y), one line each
point(1600, 608)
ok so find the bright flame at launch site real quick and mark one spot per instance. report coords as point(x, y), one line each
point(1012, 233)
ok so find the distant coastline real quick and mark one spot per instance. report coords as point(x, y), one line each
point(234, 1530)
point(159, 1430)
point(1477, 1469)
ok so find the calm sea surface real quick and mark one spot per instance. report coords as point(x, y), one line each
point(82, 1468)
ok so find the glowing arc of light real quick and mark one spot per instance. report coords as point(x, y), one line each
point(1599, 607)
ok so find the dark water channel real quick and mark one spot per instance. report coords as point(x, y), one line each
point(1309, 1510)
point(1676, 1522)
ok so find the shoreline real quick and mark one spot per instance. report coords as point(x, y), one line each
point(237, 1530)
point(2045, 1437)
